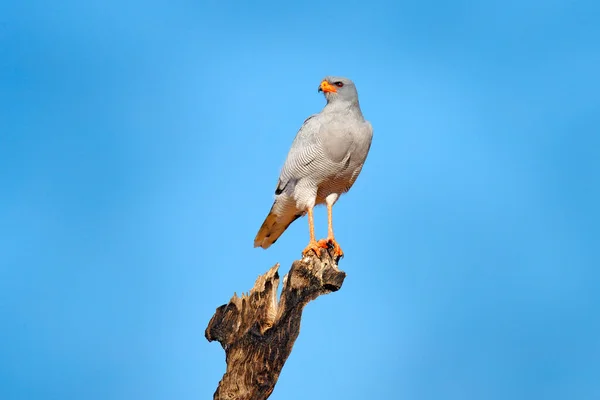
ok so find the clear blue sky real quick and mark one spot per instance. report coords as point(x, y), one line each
point(140, 144)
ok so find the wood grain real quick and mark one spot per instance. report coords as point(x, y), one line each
point(258, 332)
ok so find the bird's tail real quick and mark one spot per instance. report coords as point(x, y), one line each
point(281, 215)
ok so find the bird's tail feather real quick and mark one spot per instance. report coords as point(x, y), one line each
point(275, 224)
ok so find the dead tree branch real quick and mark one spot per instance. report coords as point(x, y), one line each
point(258, 333)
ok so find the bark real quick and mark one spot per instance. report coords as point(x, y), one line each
point(258, 332)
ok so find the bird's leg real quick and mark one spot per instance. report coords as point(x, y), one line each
point(313, 245)
point(330, 241)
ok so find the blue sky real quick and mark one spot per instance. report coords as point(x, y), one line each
point(140, 144)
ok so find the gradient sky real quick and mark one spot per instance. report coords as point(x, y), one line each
point(140, 144)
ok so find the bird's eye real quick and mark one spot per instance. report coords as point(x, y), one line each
point(338, 84)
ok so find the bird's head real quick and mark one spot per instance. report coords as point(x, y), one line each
point(338, 89)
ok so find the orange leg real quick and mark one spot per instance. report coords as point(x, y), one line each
point(313, 245)
point(330, 241)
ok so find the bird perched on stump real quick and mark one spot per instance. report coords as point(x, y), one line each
point(324, 161)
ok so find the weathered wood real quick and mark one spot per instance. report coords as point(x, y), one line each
point(258, 333)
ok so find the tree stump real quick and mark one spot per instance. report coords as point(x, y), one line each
point(258, 333)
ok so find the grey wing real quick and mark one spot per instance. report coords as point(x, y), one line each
point(305, 149)
point(363, 145)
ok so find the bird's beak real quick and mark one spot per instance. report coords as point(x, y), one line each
point(327, 87)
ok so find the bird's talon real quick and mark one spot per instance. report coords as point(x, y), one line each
point(330, 243)
point(324, 244)
point(314, 247)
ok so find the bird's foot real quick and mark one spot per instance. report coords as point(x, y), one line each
point(330, 243)
point(314, 247)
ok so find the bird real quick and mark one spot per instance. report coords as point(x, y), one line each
point(324, 161)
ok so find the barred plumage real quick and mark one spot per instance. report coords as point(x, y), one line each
point(324, 160)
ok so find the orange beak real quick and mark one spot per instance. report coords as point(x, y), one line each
point(327, 87)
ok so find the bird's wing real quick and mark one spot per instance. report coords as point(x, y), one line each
point(363, 145)
point(317, 150)
point(304, 150)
